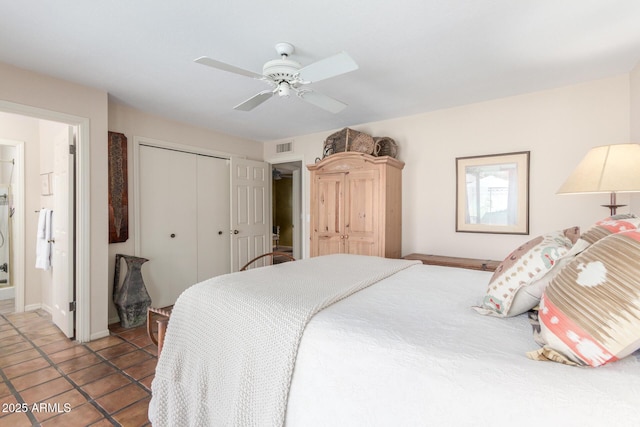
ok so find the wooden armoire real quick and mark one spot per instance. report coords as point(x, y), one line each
point(356, 205)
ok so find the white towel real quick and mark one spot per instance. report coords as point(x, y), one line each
point(43, 245)
point(48, 225)
point(41, 221)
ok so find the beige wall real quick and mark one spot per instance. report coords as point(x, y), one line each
point(24, 87)
point(634, 79)
point(558, 126)
point(134, 123)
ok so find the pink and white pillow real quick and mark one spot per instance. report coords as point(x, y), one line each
point(606, 227)
point(518, 282)
point(590, 313)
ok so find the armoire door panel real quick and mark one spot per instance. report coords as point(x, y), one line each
point(361, 246)
point(329, 218)
point(363, 194)
point(327, 245)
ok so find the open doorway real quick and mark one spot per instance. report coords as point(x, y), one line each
point(287, 207)
point(39, 295)
point(11, 183)
point(28, 280)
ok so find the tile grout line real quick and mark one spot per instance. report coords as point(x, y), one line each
point(15, 392)
point(84, 394)
point(77, 387)
point(122, 371)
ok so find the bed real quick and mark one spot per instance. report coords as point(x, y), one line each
point(406, 349)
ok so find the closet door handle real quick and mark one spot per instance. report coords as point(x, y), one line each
point(51, 241)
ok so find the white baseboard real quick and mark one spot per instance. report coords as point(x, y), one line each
point(98, 335)
point(46, 308)
point(32, 307)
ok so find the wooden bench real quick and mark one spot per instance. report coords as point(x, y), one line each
point(449, 261)
point(163, 315)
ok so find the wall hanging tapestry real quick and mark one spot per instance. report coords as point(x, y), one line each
point(118, 193)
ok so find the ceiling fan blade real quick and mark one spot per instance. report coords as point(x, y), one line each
point(323, 101)
point(254, 101)
point(332, 66)
point(227, 67)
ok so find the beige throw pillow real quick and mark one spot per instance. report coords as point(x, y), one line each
point(529, 265)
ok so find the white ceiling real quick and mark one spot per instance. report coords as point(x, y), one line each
point(414, 55)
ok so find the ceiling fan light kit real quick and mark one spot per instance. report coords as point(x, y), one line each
point(285, 75)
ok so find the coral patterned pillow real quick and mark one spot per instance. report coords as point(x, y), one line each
point(523, 267)
point(590, 313)
point(601, 229)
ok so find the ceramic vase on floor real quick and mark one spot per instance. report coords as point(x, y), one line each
point(131, 297)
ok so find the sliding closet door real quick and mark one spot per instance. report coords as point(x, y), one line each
point(184, 220)
point(213, 217)
point(168, 229)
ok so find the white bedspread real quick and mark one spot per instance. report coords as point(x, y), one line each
point(232, 340)
point(410, 351)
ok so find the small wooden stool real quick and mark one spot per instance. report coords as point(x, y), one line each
point(165, 314)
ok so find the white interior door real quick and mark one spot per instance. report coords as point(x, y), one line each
point(250, 210)
point(168, 229)
point(214, 257)
point(296, 204)
point(62, 232)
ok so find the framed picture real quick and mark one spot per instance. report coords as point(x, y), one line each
point(45, 184)
point(492, 193)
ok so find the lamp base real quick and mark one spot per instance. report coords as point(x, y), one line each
point(613, 205)
point(613, 208)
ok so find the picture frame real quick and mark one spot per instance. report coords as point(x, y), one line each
point(492, 193)
point(45, 184)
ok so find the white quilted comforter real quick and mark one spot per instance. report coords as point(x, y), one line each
point(232, 341)
point(410, 351)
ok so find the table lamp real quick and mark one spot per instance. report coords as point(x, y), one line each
point(606, 169)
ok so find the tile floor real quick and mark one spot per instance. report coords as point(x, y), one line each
point(6, 306)
point(102, 383)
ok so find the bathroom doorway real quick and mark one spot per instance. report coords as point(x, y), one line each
point(11, 227)
point(7, 165)
point(34, 295)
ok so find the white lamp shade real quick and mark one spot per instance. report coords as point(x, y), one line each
point(606, 169)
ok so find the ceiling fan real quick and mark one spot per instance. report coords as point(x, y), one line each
point(285, 75)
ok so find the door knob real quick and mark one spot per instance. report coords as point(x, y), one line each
point(235, 231)
point(173, 235)
point(220, 232)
